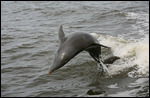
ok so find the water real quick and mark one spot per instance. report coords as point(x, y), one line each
point(29, 41)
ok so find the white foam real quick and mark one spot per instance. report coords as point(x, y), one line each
point(113, 86)
point(139, 81)
point(94, 35)
point(134, 54)
point(124, 94)
point(106, 70)
point(131, 53)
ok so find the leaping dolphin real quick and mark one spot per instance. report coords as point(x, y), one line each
point(72, 45)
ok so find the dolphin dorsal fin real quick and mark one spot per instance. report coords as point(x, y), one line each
point(61, 34)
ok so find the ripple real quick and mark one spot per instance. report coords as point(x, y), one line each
point(19, 56)
point(29, 40)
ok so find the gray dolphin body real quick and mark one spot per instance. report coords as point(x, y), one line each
point(72, 45)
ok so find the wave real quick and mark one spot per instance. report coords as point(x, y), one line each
point(134, 55)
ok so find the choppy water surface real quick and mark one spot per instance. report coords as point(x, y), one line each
point(29, 41)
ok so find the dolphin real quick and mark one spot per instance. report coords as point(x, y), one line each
point(73, 44)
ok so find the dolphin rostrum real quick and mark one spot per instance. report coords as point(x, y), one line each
point(72, 45)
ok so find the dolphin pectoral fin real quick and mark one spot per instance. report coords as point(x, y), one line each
point(94, 51)
point(96, 47)
point(102, 45)
point(61, 34)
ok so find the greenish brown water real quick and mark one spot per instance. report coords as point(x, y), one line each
point(29, 41)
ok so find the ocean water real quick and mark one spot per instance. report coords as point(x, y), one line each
point(29, 41)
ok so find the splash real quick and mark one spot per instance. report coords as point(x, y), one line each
point(102, 68)
point(134, 55)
